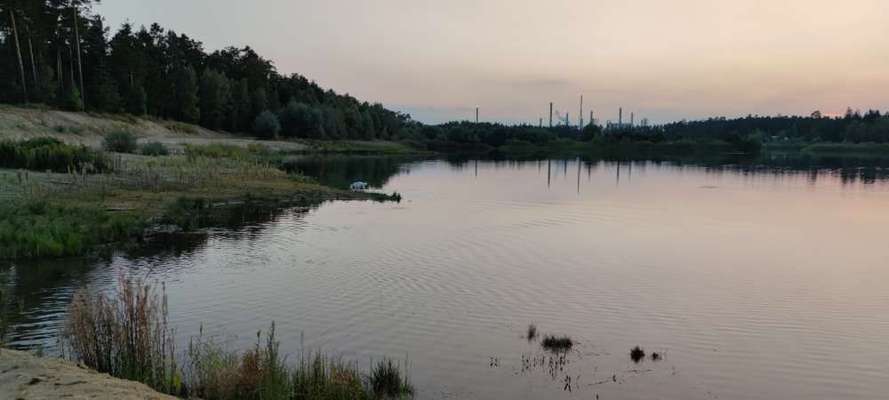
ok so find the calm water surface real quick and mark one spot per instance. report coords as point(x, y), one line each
point(755, 282)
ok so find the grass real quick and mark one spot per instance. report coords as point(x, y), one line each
point(49, 154)
point(57, 215)
point(557, 343)
point(127, 336)
point(40, 228)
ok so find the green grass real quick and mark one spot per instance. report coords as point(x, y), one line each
point(39, 229)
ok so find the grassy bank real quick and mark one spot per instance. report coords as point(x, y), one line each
point(127, 336)
point(54, 214)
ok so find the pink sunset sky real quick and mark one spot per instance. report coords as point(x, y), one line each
point(663, 60)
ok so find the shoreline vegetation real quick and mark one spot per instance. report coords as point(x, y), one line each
point(61, 198)
point(127, 336)
point(74, 182)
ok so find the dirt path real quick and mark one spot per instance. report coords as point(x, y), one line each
point(24, 376)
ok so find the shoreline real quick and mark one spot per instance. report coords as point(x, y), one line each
point(27, 376)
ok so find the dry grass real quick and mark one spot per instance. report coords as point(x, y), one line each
point(126, 336)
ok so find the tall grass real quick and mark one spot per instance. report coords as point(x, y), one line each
point(127, 336)
point(44, 154)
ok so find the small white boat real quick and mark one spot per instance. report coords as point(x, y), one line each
point(359, 185)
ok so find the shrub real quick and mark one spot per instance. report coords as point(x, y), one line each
point(120, 142)
point(46, 153)
point(155, 149)
point(266, 125)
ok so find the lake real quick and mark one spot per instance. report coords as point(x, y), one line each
point(763, 279)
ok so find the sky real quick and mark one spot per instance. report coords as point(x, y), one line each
point(662, 60)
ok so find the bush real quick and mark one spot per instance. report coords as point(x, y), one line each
point(155, 149)
point(43, 154)
point(120, 142)
point(266, 125)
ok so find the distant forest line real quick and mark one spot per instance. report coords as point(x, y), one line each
point(60, 53)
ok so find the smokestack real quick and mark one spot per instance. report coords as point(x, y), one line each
point(580, 115)
point(591, 118)
point(476, 115)
point(541, 122)
point(632, 118)
point(550, 114)
point(620, 117)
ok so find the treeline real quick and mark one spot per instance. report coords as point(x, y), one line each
point(60, 53)
point(853, 127)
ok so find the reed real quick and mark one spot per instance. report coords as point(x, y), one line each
point(127, 336)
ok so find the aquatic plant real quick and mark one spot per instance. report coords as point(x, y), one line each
point(655, 356)
point(126, 335)
point(532, 332)
point(557, 343)
point(637, 354)
point(387, 382)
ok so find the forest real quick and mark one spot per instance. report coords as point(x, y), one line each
point(61, 54)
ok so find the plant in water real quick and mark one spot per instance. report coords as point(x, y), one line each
point(557, 343)
point(532, 332)
point(125, 335)
point(387, 382)
point(637, 354)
